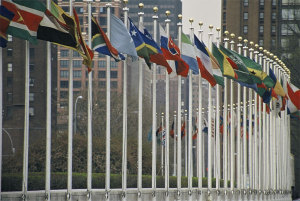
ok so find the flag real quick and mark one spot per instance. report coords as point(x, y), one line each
point(59, 28)
point(88, 54)
point(158, 131)
point(172, 130)
point(189, 54)
point(156, 55)
point(226, 64)
point(172, 52)
point(120, 37)
point(26, 20)
point(5, 18)
point(294, 98)
point(240, 68)
point(204, 62)
point(139, 43)
point(277, 87)
point(101, 43)
point(183, 130)
point(256, 70)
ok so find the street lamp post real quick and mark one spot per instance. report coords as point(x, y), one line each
point(75, 116)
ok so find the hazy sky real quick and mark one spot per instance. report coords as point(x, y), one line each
point(207, 11)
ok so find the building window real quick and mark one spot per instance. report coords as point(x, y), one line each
point(101, 64)
point(9, 98)
point(113, 64)
point(245, 29)
point(75, 54)
point(9, 112)
point(114, 74)
point(245, 15)
point(273, 16)
point(64, 84)
point(261, 42)
point(64, 63)
point(9, 67)
point(101, 84)
point(273, 29)
point(224, 4)
point(274, 2)
point(77, 63)
point(31, 67)
point(9, 38)
point(63, 94)
point(77, 74)
point(284, 43)
point(9, 82)
point(64, 53)
point(101, 74)
point(31, 82)
point(261, 2)
point(31, 52)
point(261, 16)
point(31, 111)
point(224, 17)
point(9, 52)
point(31, 96)
point(64, 73)
point(261, 29)
point(246, 2)
point(273, 43)
point(114, 84)
point(77, 84)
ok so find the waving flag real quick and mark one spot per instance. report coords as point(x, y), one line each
point(172, 130)
point(120, 37)
point(172, 52)
point(139, 43)
point(294, 98)
point(5, 17)
point(59, 28)
point(204, 62)
point(87, 52)
point(277, 87)
point(226, 64)
point(26, 20)
point(156, 55)
point(101, 43)
point(188, 53)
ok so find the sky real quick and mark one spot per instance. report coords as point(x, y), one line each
point(207, 11)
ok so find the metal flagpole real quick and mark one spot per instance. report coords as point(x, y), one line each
point(140, 113)
point(154, 66)
point(26, 124)
point(90, 102)
point(1, 120)
point(245, 127)
point(264, 134)
point(161, 144)
point(70, 122)
point(256, 132)
point(239, 158)
point(167, 145)
point(108, 107)
point(232, 127)
point(217, 133)
point(260, 165)
point(190, 116)
point(200, 137)
point(175, 147)
point(225, 111)
point(124, 146)
point(251, 159)
point(185, 144)
point(179, 165)
point(209, 178)
point(48, 120)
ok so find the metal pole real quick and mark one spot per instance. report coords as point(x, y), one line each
point(140, 112)
point(1, 120)
point(154, 66)
point(162, 146)
point(26, 124)
point(48, 122)
point(108, 107)
point(90, 103)
point(185, 144)
point(179, 165)
point(70, 121)
point(260, 165)
point(250, 141)
point(124, 145)
point(175, 147)
point(75, 114)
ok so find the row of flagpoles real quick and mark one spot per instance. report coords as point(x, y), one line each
point(247, 172)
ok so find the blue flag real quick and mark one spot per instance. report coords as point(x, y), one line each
point(120, 37)
point(5, 18)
